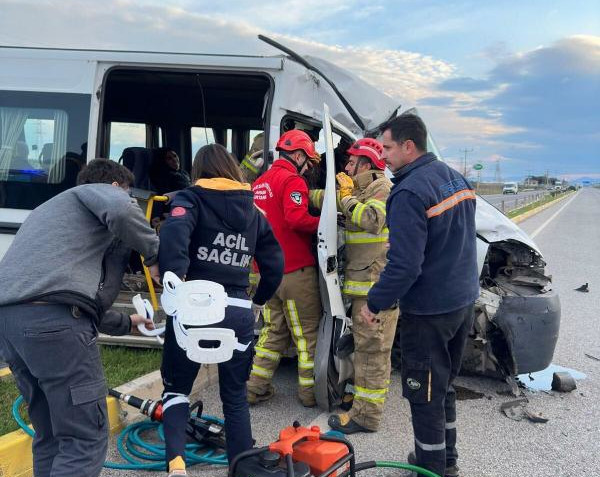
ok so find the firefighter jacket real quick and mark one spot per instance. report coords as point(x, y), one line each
point(366, 234)
point(282, 194)
point(214, 231)
point(432, 260)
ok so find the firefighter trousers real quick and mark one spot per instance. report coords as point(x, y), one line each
point(293, 313)
point(432, 349)
point(372, 364)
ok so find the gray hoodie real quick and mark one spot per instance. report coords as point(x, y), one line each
point(73, 249)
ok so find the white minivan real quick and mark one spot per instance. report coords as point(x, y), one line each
point(510, 188)
point(60, 108)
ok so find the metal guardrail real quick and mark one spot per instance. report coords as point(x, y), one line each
point(508, 205)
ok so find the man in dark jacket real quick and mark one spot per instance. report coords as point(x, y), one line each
point(59, 278)
point(432, 274)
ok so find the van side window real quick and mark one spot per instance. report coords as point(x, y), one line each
point(43, 139)
point(124, 135)
point(201, 137)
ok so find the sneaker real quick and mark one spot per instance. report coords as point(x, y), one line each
point(451, 471)
point(343, 423)
point(255, 398)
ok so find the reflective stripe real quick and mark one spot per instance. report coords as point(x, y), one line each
point(450, 202)
point(306, 381)
point(357, 288)
point(378, 204)
point(267, 353)
point(181, 399)
point(306, 364)
point(365, 237)
point(253, 278)
point(451, 425)
point(371, 395)
point(261, 372)
point(431, 447)
point(357, 213)
point(304, 361)
point(315, 196)
point(296, 326)
point(249, 165)
point(264, 333)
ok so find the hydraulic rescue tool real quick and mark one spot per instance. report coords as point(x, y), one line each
point(200, 429)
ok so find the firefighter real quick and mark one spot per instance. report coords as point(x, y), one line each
point(253, 161)
point(212, 233)
point(295, 309)
point(363, 191)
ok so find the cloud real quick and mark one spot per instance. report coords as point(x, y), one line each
point(465, 85)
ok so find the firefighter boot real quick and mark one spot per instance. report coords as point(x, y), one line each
point(343, 423)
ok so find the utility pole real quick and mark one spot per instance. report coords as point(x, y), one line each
point(497, 175)
point(465, 170)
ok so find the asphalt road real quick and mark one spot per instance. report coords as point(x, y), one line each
point(490, 444)
point(512, 201)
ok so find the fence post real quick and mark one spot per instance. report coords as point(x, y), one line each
point(503, 206)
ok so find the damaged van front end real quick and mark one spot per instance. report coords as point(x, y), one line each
point(518, 313)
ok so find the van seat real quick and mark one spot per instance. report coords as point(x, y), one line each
point(138, 161)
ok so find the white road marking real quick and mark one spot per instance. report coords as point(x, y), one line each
point(543, 226)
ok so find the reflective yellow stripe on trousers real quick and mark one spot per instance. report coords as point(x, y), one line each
point(357, 288)
point(261, 372)
point(304, 361)
point(365, 237)
point(372, 395)
point(260, 349)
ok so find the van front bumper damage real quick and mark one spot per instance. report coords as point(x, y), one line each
point(513, 334)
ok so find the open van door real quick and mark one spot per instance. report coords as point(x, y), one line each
point(328, 388)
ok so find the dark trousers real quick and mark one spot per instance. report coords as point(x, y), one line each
point(179, 374)
point(432, 349)
point(56, 364)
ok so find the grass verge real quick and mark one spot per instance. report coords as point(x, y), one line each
point(521, 210)
point(121, 365)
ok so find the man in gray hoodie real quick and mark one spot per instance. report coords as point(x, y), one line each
point(59, 278)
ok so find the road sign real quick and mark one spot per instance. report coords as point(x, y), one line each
point(478, 166)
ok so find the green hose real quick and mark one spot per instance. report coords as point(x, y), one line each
point(402, 465)
point(141, 454)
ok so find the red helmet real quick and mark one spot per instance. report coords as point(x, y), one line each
point(295, 140)
point(369, 148)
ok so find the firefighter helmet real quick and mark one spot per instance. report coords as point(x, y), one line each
point(369, 148)
point(295, 140)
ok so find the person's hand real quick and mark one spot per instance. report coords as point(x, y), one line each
point(346, 184)
point(139, 319)
point(257, 310)
point(154, 273)
point(368, 316)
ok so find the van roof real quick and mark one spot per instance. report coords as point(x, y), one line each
point(74, 71)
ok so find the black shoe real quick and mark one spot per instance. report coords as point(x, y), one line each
point(451, 471)
point(344, 424)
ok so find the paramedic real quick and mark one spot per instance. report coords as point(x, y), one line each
point(212, 233)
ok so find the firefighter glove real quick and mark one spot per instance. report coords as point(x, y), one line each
point(346, 184)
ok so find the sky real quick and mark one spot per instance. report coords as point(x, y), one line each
point(514, 83)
